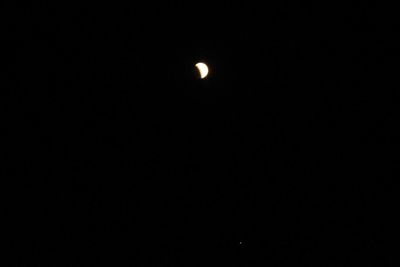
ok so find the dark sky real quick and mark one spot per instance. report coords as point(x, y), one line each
point(114, 152)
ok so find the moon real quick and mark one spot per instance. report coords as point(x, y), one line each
point(203, 69)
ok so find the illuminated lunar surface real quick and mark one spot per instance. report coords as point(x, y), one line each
point(203, 69)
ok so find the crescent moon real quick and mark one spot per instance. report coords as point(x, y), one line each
point(203, 69)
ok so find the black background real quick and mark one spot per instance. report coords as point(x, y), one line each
point(115, 152)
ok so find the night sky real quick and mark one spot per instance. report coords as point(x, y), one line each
point(115, 153)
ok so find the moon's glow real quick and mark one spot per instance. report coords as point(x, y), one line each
point(203, 69)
